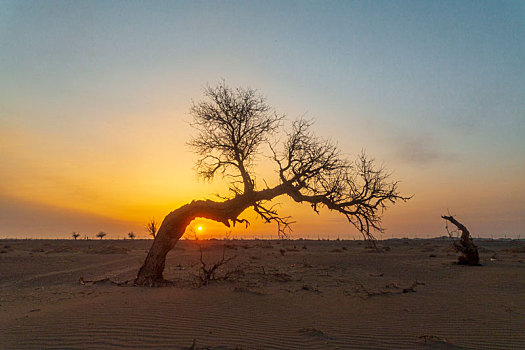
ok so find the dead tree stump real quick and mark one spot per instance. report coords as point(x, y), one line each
point(465, 246)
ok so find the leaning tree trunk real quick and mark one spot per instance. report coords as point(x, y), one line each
point(170, 231)
point(175, 223)
point(151, 272)
point(465, 246)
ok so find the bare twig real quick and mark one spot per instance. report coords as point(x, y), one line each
point(209, 272)
point(152, 227)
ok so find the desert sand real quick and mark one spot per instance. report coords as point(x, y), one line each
point(278, 295)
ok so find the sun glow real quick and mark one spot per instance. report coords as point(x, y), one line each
point(199, 228)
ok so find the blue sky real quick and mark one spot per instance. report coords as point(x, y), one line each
point(95, 97)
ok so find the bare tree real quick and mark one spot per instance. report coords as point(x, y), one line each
point(131, 235)
point(465, 246)
point(75, 235)
point(152, 227)
point(233, 126)
point(101, 235)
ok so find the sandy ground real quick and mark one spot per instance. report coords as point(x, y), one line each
point(279, 295)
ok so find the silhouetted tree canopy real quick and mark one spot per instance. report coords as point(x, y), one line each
point(234, 124)
point(236, 128)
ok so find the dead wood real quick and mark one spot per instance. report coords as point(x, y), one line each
point(389, 289)
point(465, 246)
point(106, 280)
point(210, 272)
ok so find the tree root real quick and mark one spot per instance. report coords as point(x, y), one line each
point(106, 280)
point(127, 283)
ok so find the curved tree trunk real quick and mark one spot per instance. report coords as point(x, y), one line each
point(467, 248)
point(171, 230)
point(151, 272)
point(175, 223)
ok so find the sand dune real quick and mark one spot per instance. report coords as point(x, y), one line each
point(284, 295)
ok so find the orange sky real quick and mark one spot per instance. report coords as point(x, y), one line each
point(54, 186)
point(95, 97)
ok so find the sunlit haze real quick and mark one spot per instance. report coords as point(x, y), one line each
point(95, 98)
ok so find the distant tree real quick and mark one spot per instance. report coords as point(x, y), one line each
point(101, 234)
point(234, 128)
point(75, 235)
point(131, 235)
point(152, 226)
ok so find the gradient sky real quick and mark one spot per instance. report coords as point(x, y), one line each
point(94, 102)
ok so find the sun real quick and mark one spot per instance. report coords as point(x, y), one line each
point(199, 228)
